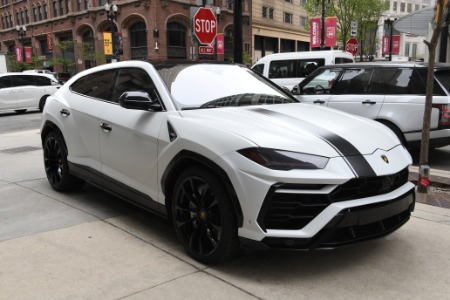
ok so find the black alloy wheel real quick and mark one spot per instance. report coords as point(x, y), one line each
point(56, 165)
point(203, 217)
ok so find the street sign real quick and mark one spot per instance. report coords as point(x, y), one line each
point(352, 46)
point(205, 26)
point(206, 50)
point(353, 29)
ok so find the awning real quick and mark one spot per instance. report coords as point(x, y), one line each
point(416, 23)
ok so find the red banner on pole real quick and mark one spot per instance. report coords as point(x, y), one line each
point(395, 44)
point(19, 54)
point(330, 32)
point(220, 44)
point(314, 32)
point(385, 45)
point(28, 54)
point(49, 41)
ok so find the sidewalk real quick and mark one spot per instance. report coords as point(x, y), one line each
point(440, 199)
point(89, 245)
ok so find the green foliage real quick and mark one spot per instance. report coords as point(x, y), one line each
point(61, 58)
point(365, 13)
point(14, 66)
point(88, 53)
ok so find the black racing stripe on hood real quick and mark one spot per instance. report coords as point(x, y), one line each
point(355, 160)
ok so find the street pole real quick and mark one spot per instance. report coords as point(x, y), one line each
point(112, 12)
point(237, 26)
point(390, 24)
point(322, 31)
point(22, 32)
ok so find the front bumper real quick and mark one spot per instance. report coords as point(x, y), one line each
point(354, 224)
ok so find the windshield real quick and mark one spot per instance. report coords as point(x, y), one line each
point(214, 85)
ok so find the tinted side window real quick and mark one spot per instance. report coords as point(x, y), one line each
point(5, 82)
point(342, 60)
point(354, 81)
point(132, 79)
point(282, 68)
point(403, 81)
point(258, 68)
point(97, 85)
point(376, 83)
point(321, 83)
point(307, 66)
point(443, 76)
point(22, 80)
point(42, 81)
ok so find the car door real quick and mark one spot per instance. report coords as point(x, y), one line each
point(129, 140)
point(316, 88)
point(358, 91)
point(8, 96)
point(27, 93)
point(84, 106)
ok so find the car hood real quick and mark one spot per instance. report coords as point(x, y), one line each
point(299, 127)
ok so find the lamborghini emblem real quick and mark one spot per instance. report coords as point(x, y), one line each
point(385, 159)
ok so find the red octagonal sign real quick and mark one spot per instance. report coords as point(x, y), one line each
point(352, 46)
point(205, 25)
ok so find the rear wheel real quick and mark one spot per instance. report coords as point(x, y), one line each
point(56, 164)
point(203, 216)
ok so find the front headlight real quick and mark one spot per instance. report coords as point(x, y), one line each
point(284, 160)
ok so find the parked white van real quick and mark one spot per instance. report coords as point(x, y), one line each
point(288, 69)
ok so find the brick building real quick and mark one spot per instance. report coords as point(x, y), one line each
point(153, 30)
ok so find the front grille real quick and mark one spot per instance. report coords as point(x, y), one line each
point(291, 211)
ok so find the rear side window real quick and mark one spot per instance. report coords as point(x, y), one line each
point(22, 80)
point(5, 82)
point(42, 80)
point(259, 68)
point(443, 76)
point(96, 85)
point(294, 68)
point(342, 60)
point(403, 81)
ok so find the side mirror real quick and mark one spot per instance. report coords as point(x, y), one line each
point(139, 100)
point(296, 90)
point(286, 90)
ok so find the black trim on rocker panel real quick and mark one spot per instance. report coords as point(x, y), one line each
point(117, 189)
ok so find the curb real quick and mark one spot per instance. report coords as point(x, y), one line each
point(435, 199)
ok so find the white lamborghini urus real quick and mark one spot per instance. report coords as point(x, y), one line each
point(229, 157)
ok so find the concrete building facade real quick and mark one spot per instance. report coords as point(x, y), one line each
point(153, 30)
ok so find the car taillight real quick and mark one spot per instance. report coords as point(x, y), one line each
point(444, 115)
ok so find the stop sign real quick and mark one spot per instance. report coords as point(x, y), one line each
point(352, 46)
point(205, 25)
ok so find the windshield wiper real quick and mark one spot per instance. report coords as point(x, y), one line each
point(246, 99)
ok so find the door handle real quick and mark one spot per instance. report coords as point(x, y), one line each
point(319, 102)
point(106, 127)
point(369, 102)
point(64, 112)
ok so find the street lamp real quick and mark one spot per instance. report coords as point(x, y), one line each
point(112, 12)
point(22, 32)
point(322, 31)
point(390, 25)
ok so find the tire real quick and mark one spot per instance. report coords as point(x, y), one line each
point(203, 216)
point(20, 111)
point(42, 103)
point(56, 164)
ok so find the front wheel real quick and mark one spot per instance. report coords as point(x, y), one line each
point(56, 164)
point(203, 216)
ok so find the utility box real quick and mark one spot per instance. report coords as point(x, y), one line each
point(3, 63)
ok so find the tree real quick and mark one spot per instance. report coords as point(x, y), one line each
point(61, 59)
point(441, 15)
point(347, 11)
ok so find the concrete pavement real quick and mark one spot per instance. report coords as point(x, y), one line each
point(90, 245)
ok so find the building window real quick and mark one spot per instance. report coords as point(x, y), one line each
point(402, 7)
point(17, 18)
point(394, 6)
point(264, 11)
point(407, 49)
point(289, 1)
point(100, 3)
point(44, 47)
point(45, 12)
point(176, 40)
point(27, 17)
point(409, 7)
point(34, 14)
point(55, 9)
point(67, 6)
point(22, 17)
point(61, 8)
point(138, 41)
point(78, 5)
point(271, 13)
point(302, 21)
point(414, 50)
point(40, 12)
point(287, 18)
point(86, 4)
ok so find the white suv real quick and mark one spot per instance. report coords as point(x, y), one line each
point(391, 93)
point(22, 91)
